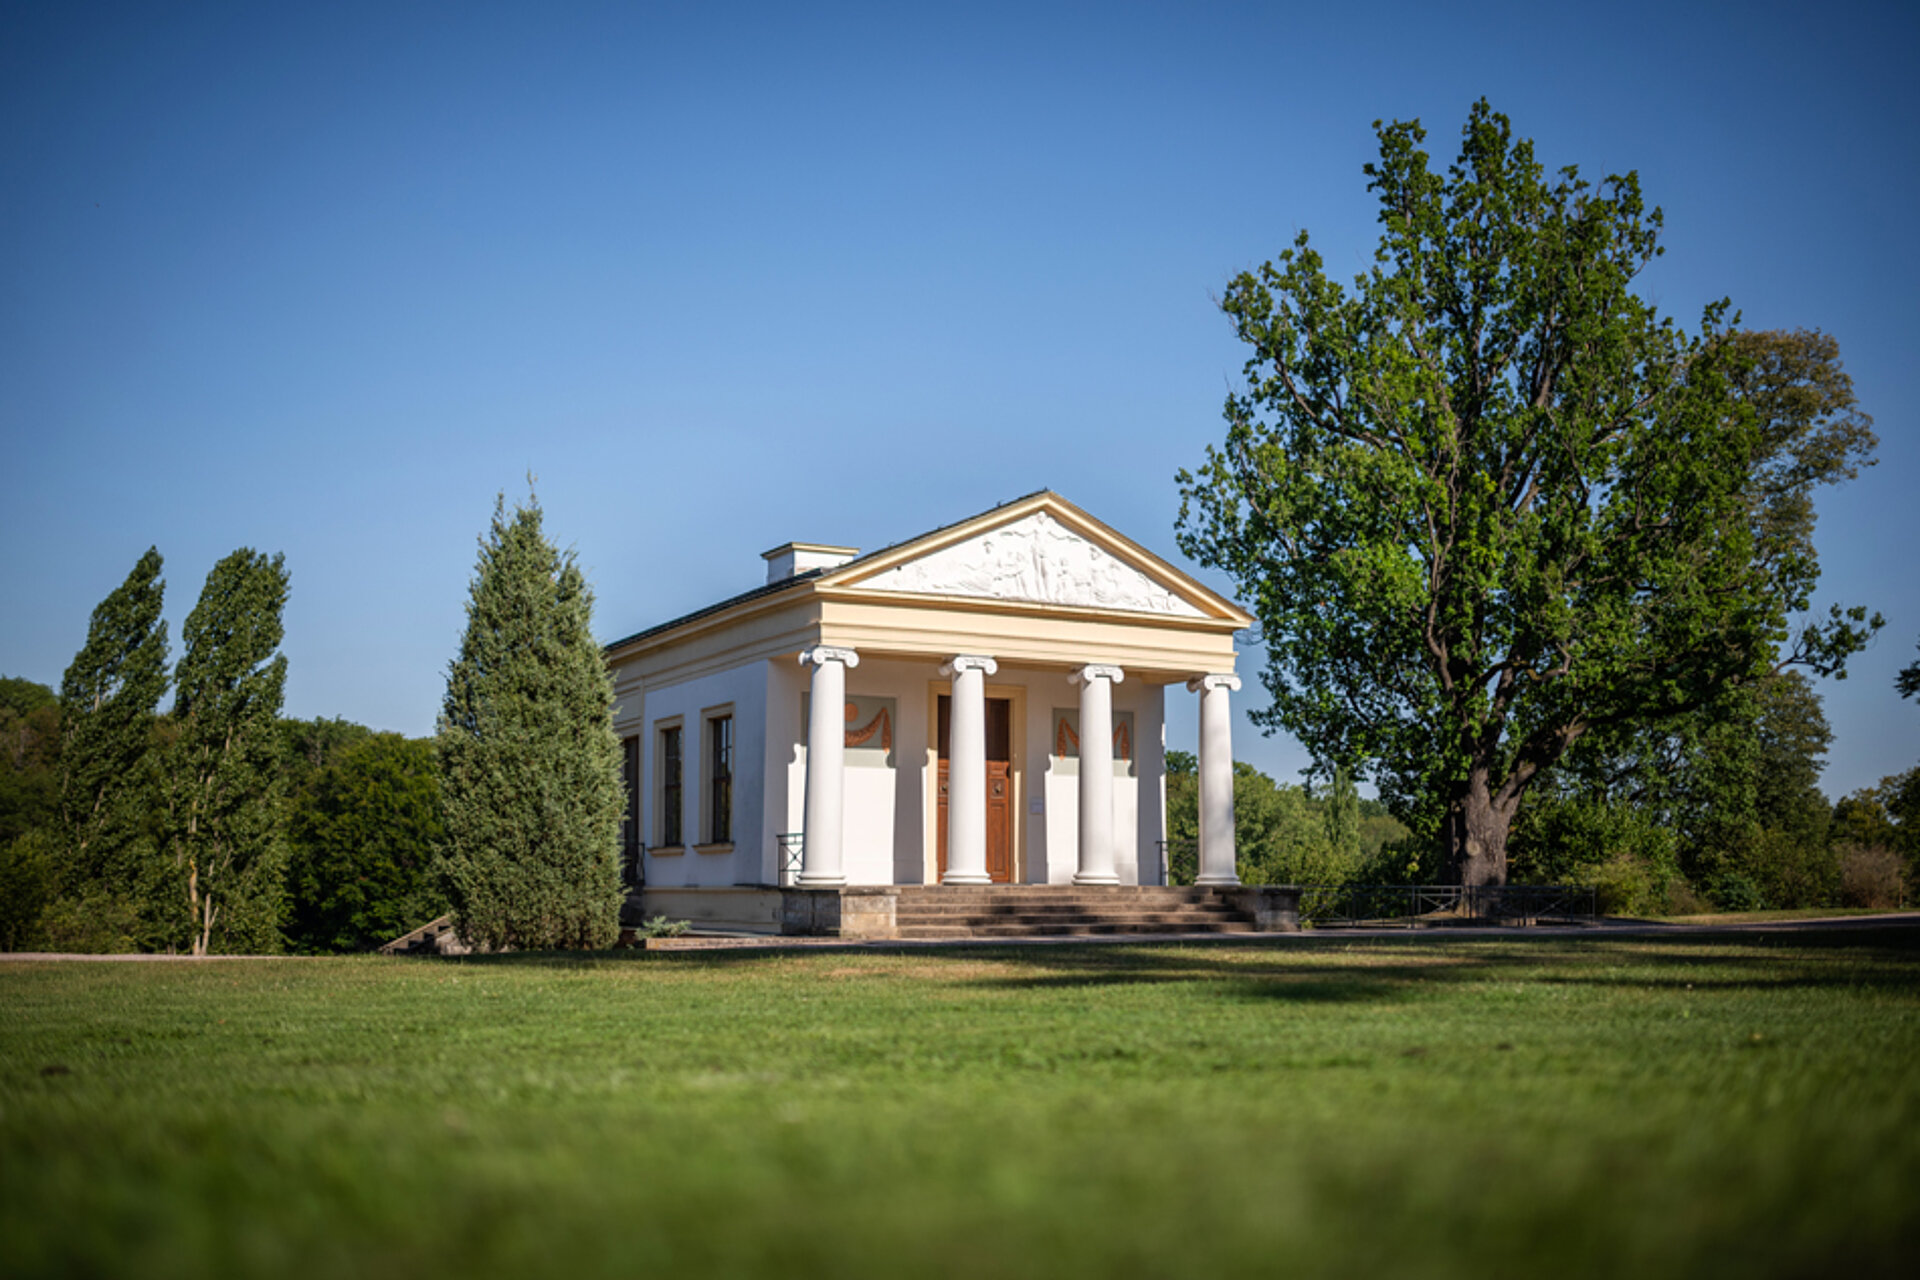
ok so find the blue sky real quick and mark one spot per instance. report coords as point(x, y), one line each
point(324, 279)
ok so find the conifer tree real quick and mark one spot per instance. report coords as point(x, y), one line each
point(223, 781)
point(108, 698)
point(529, 764)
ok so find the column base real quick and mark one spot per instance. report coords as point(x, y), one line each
point(1218, 882)
point(1092, 878)
point(805, 881)
point(967, 878)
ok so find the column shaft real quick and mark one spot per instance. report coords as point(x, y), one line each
point(1217, 854)
point(967, 771)
point(821, 865)
point(1096, 775)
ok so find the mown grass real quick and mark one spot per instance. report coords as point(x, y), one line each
point(1567, 1105)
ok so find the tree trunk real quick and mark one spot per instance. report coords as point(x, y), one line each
point(1475, 833)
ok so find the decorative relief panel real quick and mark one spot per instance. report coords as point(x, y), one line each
point(1038, 559)
point(870, 728)
point(1065, 747)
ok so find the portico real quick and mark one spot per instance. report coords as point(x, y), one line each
point(979, 705)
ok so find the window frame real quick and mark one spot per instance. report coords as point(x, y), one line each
point(670, 783)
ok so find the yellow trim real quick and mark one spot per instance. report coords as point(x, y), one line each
point(714, 848)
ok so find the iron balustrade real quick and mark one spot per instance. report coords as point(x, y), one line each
point(789, 852)
point(1179, 861)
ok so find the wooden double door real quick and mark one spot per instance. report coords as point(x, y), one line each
point(999, 787)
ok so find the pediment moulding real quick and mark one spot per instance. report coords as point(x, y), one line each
point(1034, 559)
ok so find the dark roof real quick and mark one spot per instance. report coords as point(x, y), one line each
point(774, 588)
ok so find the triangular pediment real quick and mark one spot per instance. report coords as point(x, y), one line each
point(1035, 556)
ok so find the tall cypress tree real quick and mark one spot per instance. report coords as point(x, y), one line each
point(107, 760)
point(529, 764)
point(223, 779)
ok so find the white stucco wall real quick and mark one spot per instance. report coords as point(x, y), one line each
point(889, 811)
point(744, 689)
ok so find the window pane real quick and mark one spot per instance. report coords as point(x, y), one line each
point(670, 792)
point(720, 806)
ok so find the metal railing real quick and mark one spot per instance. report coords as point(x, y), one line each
point(1179, 861)
point(1412, 906)
point(788, 851)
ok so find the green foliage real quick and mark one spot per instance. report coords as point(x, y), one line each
point(1725, 798)
point(661, 927)
point(1489, 501)
point(362, 830)
point(1907, 683)
point(1884, 816)
point(108, 697)
point(529, 763)
point(29, 757)
point(223, 785)
point(1282, 834)
point(27, 869)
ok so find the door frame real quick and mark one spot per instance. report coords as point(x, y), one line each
point(1016, 696)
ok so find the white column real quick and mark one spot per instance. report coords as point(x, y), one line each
point(1216, 779)
point(967, 770)
point(1096, 774)
point(820, 864)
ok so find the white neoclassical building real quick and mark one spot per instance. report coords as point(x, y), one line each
point(979, 705)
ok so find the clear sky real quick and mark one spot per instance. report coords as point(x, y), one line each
point(323, 279)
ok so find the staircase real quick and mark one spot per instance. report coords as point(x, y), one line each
point(436, 937)
point(1042, 911)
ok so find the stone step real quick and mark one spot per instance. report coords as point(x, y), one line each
point(1169, 919)
point(931, 909)
point(1102, 928)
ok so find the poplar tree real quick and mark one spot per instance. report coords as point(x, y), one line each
point(223, 778)
point(108, 698)
point(529, 763)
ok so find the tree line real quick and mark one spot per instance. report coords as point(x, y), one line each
point(213, 825)
point(219, 826)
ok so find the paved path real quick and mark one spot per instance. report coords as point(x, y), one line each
point(1436, 933)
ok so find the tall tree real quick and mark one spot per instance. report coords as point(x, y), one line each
point(223, 779)
point(529, 763)
point(108, 698)
point(1907, 683)
point(1489, 501)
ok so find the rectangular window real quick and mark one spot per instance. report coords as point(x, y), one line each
point(671, 791)
point(630, 816)
point(720, 780)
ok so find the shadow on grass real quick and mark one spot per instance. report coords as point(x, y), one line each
point(1344, 969)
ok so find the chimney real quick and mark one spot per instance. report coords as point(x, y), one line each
point(796, 558)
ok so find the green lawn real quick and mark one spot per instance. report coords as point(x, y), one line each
point(1557, 1105)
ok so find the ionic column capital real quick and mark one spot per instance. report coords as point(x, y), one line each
point(1224, 680)
point(821, 654)
point(1097, 671)
point(968, 662)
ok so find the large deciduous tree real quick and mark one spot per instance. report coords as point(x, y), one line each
point(529, 763)
point(223, 784)
point(1488, 501)
point(108, 698)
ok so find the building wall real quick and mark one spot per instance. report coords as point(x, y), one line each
point(890, 802)
point(743, 691)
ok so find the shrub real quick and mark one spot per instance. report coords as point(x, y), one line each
point(1871, 876)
